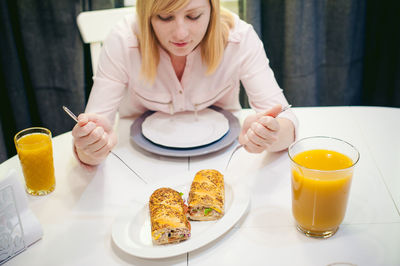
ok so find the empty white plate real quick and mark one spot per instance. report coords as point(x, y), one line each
point(185, 130)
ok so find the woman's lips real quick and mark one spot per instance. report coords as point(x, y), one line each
point(180, 44)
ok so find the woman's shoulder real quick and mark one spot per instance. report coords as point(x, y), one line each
point(240, 30)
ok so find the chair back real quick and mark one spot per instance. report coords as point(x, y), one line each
point(94, 27)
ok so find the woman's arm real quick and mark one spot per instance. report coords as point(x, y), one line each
point(262, 131)
point(93, 135)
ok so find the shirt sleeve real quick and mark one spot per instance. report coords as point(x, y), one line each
point(258, 78)
point(111, 79)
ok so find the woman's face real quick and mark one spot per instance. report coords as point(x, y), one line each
point(181, 31)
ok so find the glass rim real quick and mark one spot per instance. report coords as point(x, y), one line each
point(16, 136)
point(324, 171)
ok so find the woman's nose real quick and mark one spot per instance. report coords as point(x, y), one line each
point(181, 30)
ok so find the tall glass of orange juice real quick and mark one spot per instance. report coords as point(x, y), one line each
point(322, 170)
point(35, 152)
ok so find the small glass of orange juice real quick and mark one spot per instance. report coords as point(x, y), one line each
point(322, 170)
point(35, 152)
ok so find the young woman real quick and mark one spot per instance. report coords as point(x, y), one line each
point(180, 55)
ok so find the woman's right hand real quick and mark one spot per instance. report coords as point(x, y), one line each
point(94, 138)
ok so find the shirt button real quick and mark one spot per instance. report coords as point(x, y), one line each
point(180, 91)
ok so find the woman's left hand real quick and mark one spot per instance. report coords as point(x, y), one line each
point(263, 131)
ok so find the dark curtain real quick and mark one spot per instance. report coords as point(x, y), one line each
point(381, 80)
point(43, 65)
point(331, 52)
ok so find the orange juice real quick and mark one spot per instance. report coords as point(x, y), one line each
point(321, 182)
point(36, 156)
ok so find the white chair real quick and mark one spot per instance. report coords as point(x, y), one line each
point(94, 27)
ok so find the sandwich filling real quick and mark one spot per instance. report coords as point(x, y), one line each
point(205, 212)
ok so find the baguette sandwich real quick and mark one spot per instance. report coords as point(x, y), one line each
point(169, 223)
point(207, 196)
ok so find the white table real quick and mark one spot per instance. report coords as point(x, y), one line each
point(77, 217)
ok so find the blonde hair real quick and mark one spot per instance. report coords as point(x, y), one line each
point(212, 45)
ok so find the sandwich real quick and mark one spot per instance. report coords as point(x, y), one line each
point(207, 196)
point(169, 223)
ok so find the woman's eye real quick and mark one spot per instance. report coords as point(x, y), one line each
point(165, 18)
point(191, 17)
